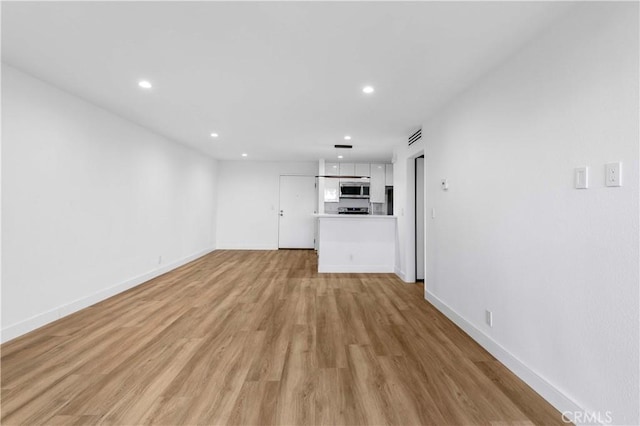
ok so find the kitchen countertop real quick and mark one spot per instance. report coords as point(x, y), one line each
point(356, 216)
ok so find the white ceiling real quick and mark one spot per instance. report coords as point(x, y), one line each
point(278, 80)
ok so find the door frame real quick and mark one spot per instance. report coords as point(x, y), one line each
point(424, 217)
point(410, 214)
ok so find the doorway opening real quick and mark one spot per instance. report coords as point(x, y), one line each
point(419, 218)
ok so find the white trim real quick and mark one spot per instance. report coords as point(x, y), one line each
point(547, 390)
point(410, 219)
point(356, 269)
point(246, 247)
point(400, 274)
point(44, 318)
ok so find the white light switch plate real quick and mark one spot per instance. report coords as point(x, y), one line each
point(613, 174)
point(582, 177)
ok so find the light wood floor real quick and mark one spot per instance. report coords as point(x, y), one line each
point(258, 337)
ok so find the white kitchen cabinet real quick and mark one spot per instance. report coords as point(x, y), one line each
point(347, 169)
point(388, 174)
point(377, 183)
point(331, 169)
point(362, 169)
point(331, 185)
point(331, 190)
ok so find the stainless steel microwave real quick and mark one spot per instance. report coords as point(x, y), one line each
point(354, 190)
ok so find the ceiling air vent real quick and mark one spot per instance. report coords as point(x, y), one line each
point(415, 137)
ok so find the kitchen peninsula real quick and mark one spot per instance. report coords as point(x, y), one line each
point(356, 243)
point(353, 232)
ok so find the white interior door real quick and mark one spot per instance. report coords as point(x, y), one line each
point(297, 206)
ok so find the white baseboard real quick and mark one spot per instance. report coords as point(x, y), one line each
point(547, 390)
point(356, 269)
point(400, 274)
point(44, 318)
point(246, 247)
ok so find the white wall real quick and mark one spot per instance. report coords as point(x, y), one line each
point(248, 200)
point(559, 267)
point(90, 203)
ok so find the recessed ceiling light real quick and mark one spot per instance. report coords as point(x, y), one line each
point(145, 84)
point(340, 156)
point(368, 89)
point(214, 135)
point(347, 138)
point(244, 154)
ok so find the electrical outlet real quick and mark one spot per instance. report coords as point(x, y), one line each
point(613, 174)
point(159, 260)
point(488, 317)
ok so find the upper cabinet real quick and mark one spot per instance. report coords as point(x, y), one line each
point(354, 169)
point(381, 175)
point(347, 169)
point(377, 183)
point(362, 169)
point(388, 174)
point(331, 185)
point(331, 169)
point(331, 190)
